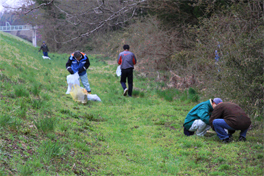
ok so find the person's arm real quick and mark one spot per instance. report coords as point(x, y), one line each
point(119, 59)
point(68, 66)
point(216, 114)
point(40, 48)
point(134, 59)
point(86, 65)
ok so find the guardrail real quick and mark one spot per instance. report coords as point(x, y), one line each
point(15, 28)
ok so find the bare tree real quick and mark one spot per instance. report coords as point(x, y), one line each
point(65, 21)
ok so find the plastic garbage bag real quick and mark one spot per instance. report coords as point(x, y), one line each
point(45, 57)
point(118, 70)
point(72, 80)
point(79, 94)
point(93, 97)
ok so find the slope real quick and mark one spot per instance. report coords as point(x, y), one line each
point(43, 132)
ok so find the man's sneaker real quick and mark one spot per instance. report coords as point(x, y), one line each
point(227, 140)
point(125, 92)
point(241, 138)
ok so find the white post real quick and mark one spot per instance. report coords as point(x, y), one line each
point(34, 36)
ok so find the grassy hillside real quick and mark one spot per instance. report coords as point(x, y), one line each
point(43, 132)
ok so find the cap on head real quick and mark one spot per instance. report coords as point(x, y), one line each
point(77, 54)
point(43, 42)
point(126, 47)
point(217, 100)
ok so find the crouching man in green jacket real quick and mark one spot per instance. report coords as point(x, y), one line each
point(231, 117)
point(198, 118)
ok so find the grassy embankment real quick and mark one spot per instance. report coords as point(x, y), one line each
point(43, 132)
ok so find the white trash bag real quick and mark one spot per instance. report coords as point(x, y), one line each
point(72, 80)
point(93, 97)
point(45, 57)
point(118, 70)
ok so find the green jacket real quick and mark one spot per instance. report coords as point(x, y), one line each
point(201, 111)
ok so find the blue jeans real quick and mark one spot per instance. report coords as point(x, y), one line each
point(45, 54)
point(85, 82)
point(220, 125)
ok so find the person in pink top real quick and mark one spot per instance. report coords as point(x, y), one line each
point(127, 60)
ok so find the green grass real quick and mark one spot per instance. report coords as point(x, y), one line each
point(44, 132)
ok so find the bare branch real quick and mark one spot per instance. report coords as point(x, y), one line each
point(103, 22)
point(43, 4)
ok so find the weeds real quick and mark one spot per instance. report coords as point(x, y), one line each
point(46, 124)
point(36, 89)
point(137, 93)
point(49, 150)
point(21, 91)
point(37, 103)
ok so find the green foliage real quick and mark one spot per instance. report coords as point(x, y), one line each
point(224, 167)
point(25, 170)
point(49, 150)
point(138, 93)
point(36, 89)
point(46, 124)
point(21, 91)
point(168, 94)
point(37, 103)
point(23, 110)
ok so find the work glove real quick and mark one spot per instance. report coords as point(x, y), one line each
point(81, 70)
point(70, 70)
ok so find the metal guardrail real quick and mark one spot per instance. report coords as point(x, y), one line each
point(15, 28)
point(9, 27)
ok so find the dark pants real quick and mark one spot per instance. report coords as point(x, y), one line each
point(45, 54)
point(127, 73)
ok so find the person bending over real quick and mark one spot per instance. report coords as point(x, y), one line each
point(198, 118)
point(79, 62)
point(232, 117)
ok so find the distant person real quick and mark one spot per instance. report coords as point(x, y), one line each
point(198, 118)
point(127, 60)
point(231, 117)
point(79, 62)
point(45, 49)
point(217, 58)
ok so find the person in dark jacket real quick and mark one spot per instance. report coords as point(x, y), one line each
point(198, 118)
point(79, 62)
point(127, 60)
point(45, 49)
point(231, 117)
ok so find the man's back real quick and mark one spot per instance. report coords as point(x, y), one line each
point(233, 115)
point(126, 59)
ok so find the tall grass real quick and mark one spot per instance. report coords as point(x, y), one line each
point(46, 124)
